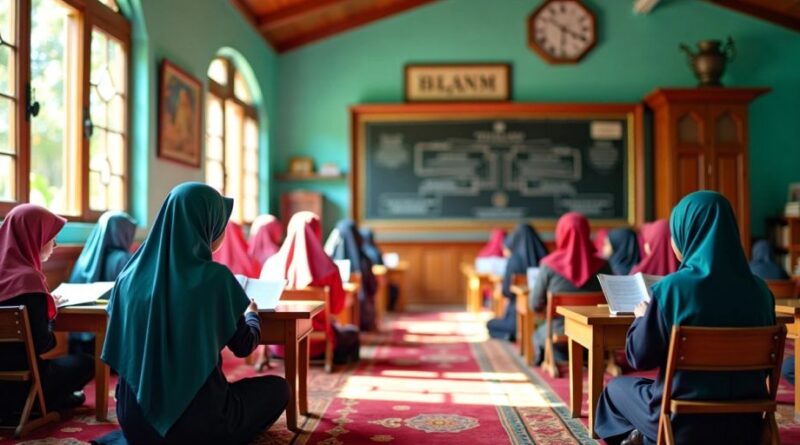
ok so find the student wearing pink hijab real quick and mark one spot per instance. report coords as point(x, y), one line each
point(234, 253)
point(27, 239)
point(266, 234)
point(302, 262)
point(494, 248)
point(659, 257)
point(572, 267)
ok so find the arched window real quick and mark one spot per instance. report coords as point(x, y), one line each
point(232, 139)
point(54, 150)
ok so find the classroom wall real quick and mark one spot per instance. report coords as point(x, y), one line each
point(635, 54)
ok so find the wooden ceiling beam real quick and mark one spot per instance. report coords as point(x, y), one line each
point(762, 12)
point(351, 22)
point(293, 13)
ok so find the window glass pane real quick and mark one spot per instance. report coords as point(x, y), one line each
point(234, 120)
point(215, 176)
point(116, 114)
point(7, 176)
point(218, 71)
point(97, 191)
point(214, 117)
point(116, 194)
point(8, 21)
point(54, 141)
point(240, 89)
point(7, 70)
point(214, 149)
point(7, 125)
point(116, 154)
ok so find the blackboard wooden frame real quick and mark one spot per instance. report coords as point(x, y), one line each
point(362, 114)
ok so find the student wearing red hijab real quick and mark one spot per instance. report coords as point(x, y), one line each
point(659, 257)
point(573, 267)
point(234, 253)
point(302, 262)
point(266, 234)
point(494, 248)
point(27, 239)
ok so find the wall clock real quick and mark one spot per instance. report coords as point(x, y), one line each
point(562, 31)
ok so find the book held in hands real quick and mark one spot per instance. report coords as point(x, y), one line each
point(625, 292)
point(73, 294)
point(266, 293)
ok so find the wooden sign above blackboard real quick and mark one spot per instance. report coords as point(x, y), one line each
point(471, 166)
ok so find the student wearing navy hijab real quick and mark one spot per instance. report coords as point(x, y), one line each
point(713, 287)
point(524, 249)
point(171, 312)
point(345, 243)
point(621, 247)
point(763, 263)
point(370, 249)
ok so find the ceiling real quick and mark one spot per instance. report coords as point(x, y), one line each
point(289, 24)
point(782, 12)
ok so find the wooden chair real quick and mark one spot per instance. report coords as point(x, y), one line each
point(15, 328)
point(498, 299)
point(782, 288)
point(554, 300)
point(382, 294)
point(519, 281)
point(723, 350)
point(316, 294)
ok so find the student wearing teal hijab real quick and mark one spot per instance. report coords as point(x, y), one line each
point(171, 312)
point(713, 287)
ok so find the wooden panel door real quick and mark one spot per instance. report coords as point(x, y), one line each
point(728, 165)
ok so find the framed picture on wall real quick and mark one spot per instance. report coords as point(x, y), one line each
point(458, 82)
point(180, 110)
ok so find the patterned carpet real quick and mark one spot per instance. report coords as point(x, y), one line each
point(427, 379)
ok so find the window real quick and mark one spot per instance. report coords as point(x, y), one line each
point(54, 151)
point(232, 139)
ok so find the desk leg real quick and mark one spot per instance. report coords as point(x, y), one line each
point(520, 333)
point(302, 373)
point(101, 372)
point(290, 361)
point(575, 378)
point(797, 373)
point(596, 368)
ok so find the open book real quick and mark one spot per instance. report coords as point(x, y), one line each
point(73, 294)
point(491, 265)
point(533, 273)
point(344, 269)
point(266, 293)
point(624, 292)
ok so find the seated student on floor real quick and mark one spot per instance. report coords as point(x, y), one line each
point(171, 312)
point(713, 287)
point(621, 247)
point(27, 239)
point(345, 243)
point(234, 253)
point(659, 258)
point(524, 249)
point(266, 235)
point(573, 267)
point(105, 253)
point(302, 262)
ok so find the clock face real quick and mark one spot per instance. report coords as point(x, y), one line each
point(562, 31)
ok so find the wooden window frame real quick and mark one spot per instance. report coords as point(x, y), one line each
point(93, 15)
point(226, 93)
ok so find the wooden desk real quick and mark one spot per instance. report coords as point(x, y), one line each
point(791, 307)
point(476, 284)
point(90, 319)
point(498, 299)
point(351, 314)
point(526, 323)
point(289, 325)
point(382, 294)
point(594, 328)
point(397, 276)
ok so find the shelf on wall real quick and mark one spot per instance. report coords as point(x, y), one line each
point(311, 177)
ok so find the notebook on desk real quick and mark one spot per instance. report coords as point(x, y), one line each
point(74, 294)
point(266, 293)
point(491, 265)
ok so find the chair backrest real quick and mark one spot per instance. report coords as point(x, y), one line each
point(16, 328)
point(519, 279)
point(556, 299)
point(782, 288)
point(694, 348)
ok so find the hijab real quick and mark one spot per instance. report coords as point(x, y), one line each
point(234, 253)
point(526, 251)
point(600, 236)
point(575, 257)
point(661, 260)
point(300, 260)
point(113, 231)
point(713, 286)
point(265, 238)
point(494, 248)
point(625, 245)
point(763, 265)
point(26, 229)
point(173, 308)
point(370, 249)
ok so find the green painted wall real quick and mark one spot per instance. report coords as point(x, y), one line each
point(635, 54)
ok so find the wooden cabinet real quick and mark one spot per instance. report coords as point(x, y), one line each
point(701, 143)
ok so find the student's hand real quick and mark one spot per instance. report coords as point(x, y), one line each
point(58, 299)
point(252, 307)
point(640, 309)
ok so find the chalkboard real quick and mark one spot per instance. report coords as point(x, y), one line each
point(528, 163)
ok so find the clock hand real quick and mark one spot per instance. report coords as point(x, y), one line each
point(564, 29)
